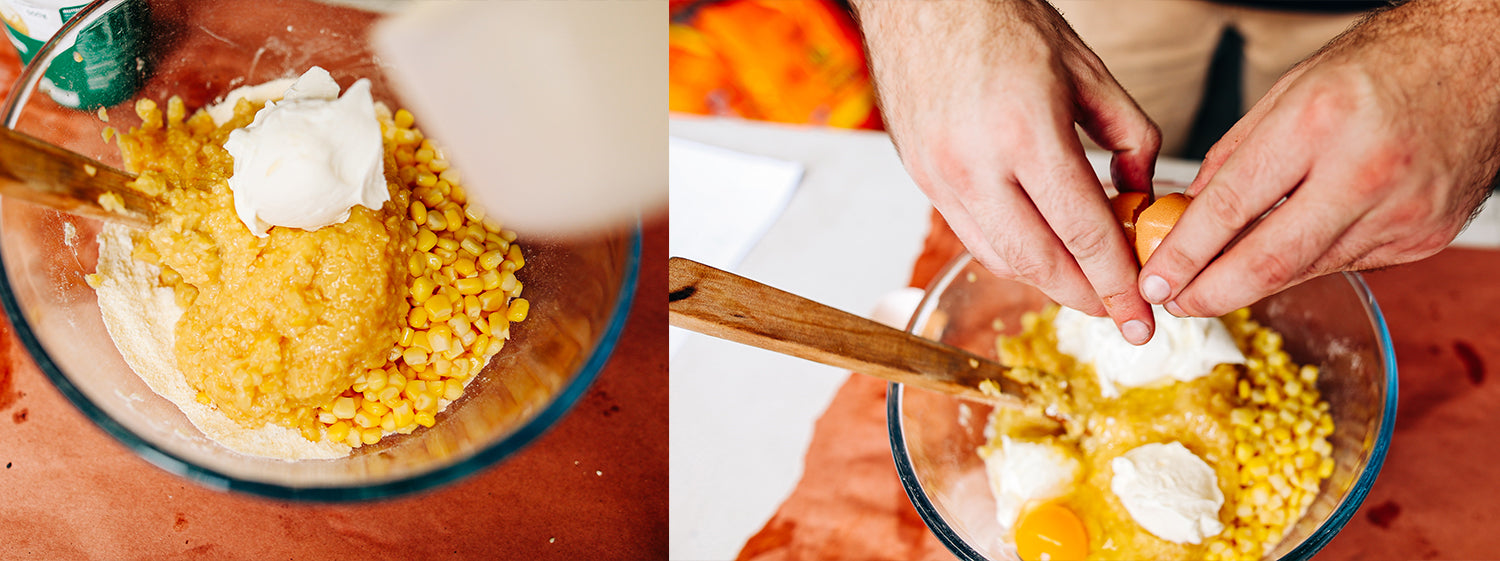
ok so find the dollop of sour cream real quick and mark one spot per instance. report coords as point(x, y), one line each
point(1169, 491)
point(307, 159)
point(1182, 349)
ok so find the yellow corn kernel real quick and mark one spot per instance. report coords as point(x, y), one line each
point(460, 325)
point(374, 408)
point(1281, 435)
point(337, 432)
point(426, 179)
point(474, 213)
point(391, 394)
point(419, 341)
point(366, 420)
point(376, 381)
point(464, 266)
point(370, 435)
point(450, 175)
point(327, 418)
point(469, 286)
point(514, 255)
point(448, 244)
point(490, 260)
point(1260, 494)
point(492, 280)
point(1308, 374)
point(439, 340)
point(472, 309)
point(426, 240)
point(414, 356)
point(418, 212)
point(453, 389)
point(423, 155)
point(459, 195)
point(1242, 452)
point(436, 221)
point(474, 248)
point(491, 225)
point(422, 288)
point(402, 414)
point(519, 308)
point(496, 345)
point(403, 119)
point(344, 408)
point(417, 318)
point(444, 256)
point(388, 423)
point(423, 401)
point(507, 281)
point(425, 419)
point(454, 219)
point(438, 309)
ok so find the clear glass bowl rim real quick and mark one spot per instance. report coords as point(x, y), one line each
point(25, 86)
point(1305, 550)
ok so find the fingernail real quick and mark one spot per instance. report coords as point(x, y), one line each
point(1155, 289)
point(1174, 309)
point(1135, 331)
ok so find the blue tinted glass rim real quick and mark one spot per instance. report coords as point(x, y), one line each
point(1309, 547)
point(899, 452)
point(1346, 509)
point(506, 446)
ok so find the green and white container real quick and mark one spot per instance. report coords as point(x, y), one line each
point(101, 66)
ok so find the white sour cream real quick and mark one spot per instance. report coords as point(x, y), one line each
point(1182, 349)
point(306, 160)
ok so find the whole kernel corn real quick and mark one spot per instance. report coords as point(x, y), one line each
point(461, 285)
point(519, 308)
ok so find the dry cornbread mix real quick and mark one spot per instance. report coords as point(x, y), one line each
point(310, 340)
point(1212, 450)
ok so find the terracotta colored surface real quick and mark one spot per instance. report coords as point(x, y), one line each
point(1433, 500)
point(68, 490)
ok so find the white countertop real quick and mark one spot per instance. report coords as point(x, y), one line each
point(740, 417)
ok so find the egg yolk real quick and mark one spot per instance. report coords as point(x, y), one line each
point(1051, 531)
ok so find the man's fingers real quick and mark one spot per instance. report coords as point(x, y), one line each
point(1230, 142)
point(1069, 198)
point(1004, 233)
point(1298, 240)
point(1113, 120)
point(1251, 181)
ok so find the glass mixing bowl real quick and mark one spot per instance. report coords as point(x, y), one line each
point(580, 289)
point(1330, 321)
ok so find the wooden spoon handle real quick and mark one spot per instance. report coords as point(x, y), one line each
point(54, 177)
point(734, 308)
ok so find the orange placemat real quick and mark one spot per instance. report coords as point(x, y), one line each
point(1433, 500)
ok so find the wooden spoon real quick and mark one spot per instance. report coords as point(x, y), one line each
point(734, 308)
point(41, 173)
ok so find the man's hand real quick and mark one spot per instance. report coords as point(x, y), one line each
point(981, 99)
point(1382, 144)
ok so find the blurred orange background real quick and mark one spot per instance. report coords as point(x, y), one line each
point(770, 60)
